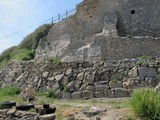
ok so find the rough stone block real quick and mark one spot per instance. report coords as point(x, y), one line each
point(133, 72)
point(68, 71)
point(88, 94)
point(77, 95)
point(119, 92)
point(109, 94)
point(45, 74)
point(3, 112)
point(80, 76)
point(101, 87)
point(24, 113)
point(89, 78)
point(116, 85)
point(128, 83)
point(90, 88)
point(47, 117)
point(105, 76)
point(66, 95)
point(98, 94)
point(151, 82)
point(116, 76)
point(147, 72)
point(11, 112)
point(70, 118)
point(59, 77)
point(104, 83)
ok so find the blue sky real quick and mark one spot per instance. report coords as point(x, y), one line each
point(17, 15)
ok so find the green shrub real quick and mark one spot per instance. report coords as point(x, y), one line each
point(51, 94)
point(9, 91)
point(66, 88)
point(144, 57)
point(25, 51)
point(6, 56)
point(32, 40)
point(3, 63)
point(56, 61)
point(23, 54)
point(145, 103)
point(140, 62)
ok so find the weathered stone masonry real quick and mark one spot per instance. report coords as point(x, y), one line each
point(83, 80)
point(105, 30)
point(101, 30)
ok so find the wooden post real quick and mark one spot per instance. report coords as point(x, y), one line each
point(66, 13)
point(52, 21)
point(59, 17)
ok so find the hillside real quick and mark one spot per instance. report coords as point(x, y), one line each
point(26, 49)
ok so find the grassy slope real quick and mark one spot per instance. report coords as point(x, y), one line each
point(26, 49)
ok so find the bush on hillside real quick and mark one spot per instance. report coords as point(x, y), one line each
point(25, 51)
point(32, 40)
point(145, 103)
point(23, 54)
point(7, 54)
point(9, 91)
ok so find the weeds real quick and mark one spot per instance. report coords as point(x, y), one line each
point(145, 104)
point(9, 91)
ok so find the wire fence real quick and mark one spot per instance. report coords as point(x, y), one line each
point(51, 21)
point(59, 17)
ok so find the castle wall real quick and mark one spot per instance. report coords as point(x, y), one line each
point(136, 17)
point(84, 80)
point(105, 30)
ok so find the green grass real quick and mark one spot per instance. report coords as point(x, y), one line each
point(144, 57)
point(23, 54)
point(56, 61)
point(48, 94)
point(15, 98)
point(66, 89)
point(9, 91)
point(113, 81)
point(3, 63)
point(10, 94)
point(64, 105)
point(145, 104)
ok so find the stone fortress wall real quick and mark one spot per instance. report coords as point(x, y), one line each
point(105, 30)
point(101, 31)
point(84, 80)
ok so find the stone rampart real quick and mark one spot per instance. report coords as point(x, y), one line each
point(84, 80)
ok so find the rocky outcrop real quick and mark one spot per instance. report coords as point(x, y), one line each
point(75, 80)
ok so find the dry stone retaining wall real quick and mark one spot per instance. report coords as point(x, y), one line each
point(83, 80)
